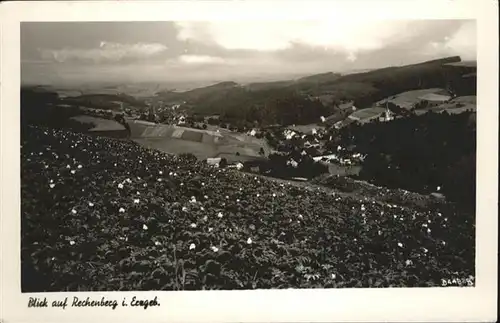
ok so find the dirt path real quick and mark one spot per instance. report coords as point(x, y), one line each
point(365, 191)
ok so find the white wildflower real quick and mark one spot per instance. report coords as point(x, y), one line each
point(160, 172)
point(249, 240)
point(219, 215)
point(91, 204)
point(136, 201)
point(73, 211)
point(72, 242)
point(121, 210)
point(214, 249)
point(144, 227)
point(334, 276)
point(192, 246)
point(79, 166)
point(210, 229)
point(193, 225)
point(400, 244)
point(52, 185)
point(120, 186)
point(184, 209)
point(73, 171)
point(157, 243)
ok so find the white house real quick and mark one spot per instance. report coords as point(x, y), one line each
point(289, 134)
point(325, 158)
point(214, 161)
point(293, 163)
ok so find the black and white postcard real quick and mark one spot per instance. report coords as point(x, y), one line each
point(249, 161)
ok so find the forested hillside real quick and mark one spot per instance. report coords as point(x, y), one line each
point(263, 102)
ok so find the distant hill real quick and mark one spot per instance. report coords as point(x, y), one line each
point(320, 78)
point(260, 101)
point(104, 101)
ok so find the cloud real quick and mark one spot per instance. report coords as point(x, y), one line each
point(345, 35)
point(462, 43)
point(106, 52)
point(237, 50)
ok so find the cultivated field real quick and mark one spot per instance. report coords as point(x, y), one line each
point(367, 113)
point(100, 123)
point(455, 106)
point(106, 215)
point(202, 143)
point(407, 100)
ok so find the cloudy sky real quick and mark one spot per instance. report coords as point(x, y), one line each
point(59, 52)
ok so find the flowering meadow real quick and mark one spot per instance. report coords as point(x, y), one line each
point(106, 215)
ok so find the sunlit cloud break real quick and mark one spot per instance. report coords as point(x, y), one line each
point(200, 59)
